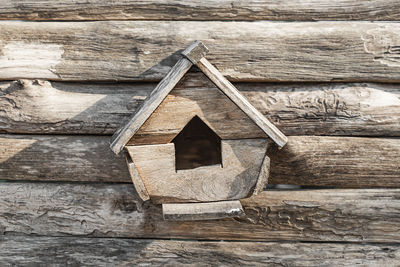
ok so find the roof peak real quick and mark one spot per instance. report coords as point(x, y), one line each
point(193, 55)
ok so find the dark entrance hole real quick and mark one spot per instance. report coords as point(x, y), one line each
point(197, 145)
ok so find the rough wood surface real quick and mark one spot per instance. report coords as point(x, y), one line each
point(196, 95)
point(141, 50)
point(234, 179)
point(112, 210)
point(136, 180)
point(233, 94)
point(78, 251)
point(307, 160)
point(36, 106)
point(202, 211)
point(122, 136)
point(200, 10)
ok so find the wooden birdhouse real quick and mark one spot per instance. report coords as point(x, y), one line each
point(197, 145)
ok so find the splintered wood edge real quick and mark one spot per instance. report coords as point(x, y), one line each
point(136, 180)
point(233, 94)
point(202, 211)
point(122, 136)
point(263, 176)
point(195, 51)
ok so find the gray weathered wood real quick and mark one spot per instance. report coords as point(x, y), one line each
point(113, 210)
point(200, 10)
point(196, 95)
point(136, 180)
point(202, 211)
point(122, 136)
point(229, 90)
point(36, 106)
point(141, 50)
point(195, 51)
point(28, 251)
point(234, 179)
point(308, 160)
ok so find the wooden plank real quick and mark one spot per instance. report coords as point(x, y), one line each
point(348, 162)
point(124, 252)
point(200, 10)
point(113, 210)
point(229, 90)
point(122, 136)
point(36, 106)
point(268, 51)
point(234, 179)
point(202, 211)
point(306, 160)
point(136, 180)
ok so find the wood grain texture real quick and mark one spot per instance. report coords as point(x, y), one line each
point(233, 94)
point(136, 180)
point(113, 210)
point(307, 160)
point(202, 211)
point(37, 106)
point(144, 50)
point(235, 178)
point(127, 252)
point(122, 136)
point(196, 95)
point(200, 10)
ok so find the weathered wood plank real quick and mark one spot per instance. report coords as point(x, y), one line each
point(28, 251)
point(122, 136)
point(200, 10)
point(141, 50)
point(113, 210)
point(202, 211)
point(229, 90)
point(317, 160)
point(307, 160)
point(234, 178)
point(36, 106)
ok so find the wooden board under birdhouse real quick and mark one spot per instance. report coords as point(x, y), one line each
point(236, 178)
point(196, 95)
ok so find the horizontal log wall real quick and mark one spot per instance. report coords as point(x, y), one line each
point(306, 160)
point(43, 107)
point(127, 252)
point(200, 10)
point(107, 210)
point(332, 87)
point(242, 51)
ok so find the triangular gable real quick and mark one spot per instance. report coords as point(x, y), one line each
point(196, 95)
point(194, 54)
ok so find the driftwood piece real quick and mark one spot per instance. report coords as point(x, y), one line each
point(297, 109)
point(202, 211)
point(268, 51)
point(122, 136)
point(234, 179)
point(228, 89)
point(200, 10)
point(127, 252)
point(307, 160)
point(112, 210)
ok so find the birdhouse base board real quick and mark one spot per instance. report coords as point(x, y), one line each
point(202, 211)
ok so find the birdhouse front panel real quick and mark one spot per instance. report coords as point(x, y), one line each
point(235, 177)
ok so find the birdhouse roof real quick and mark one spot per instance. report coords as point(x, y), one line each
point(193, 55)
